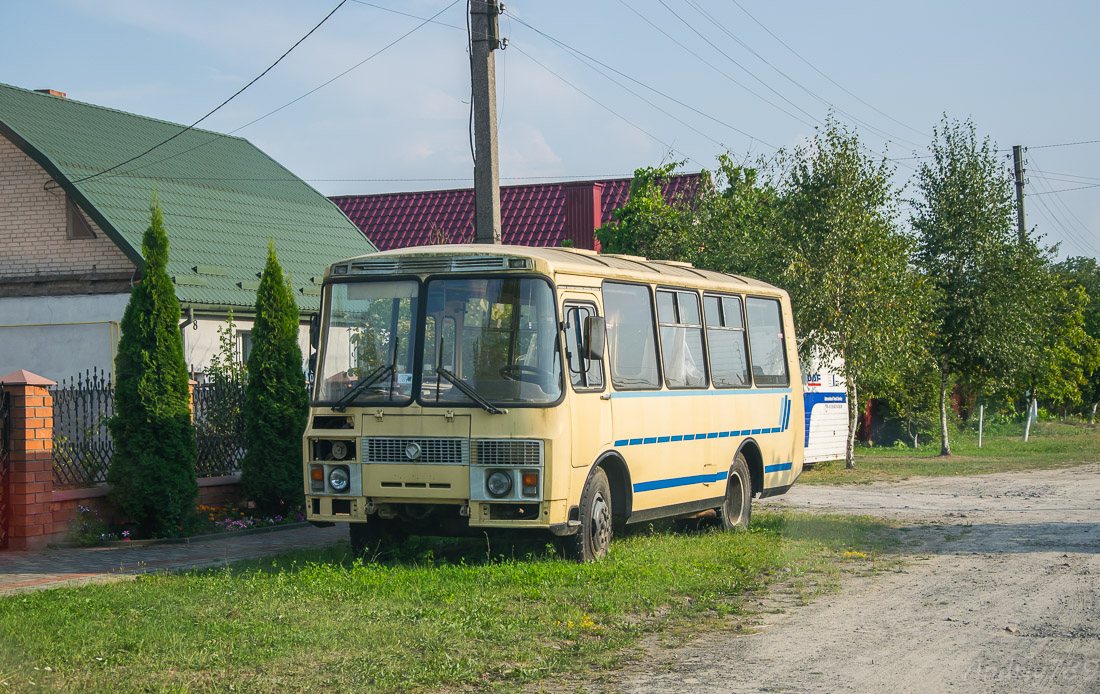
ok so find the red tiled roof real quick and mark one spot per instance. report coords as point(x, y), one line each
point(531, 215)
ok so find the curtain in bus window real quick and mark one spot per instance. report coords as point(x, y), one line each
point(681, 339)
point(630, 338)
point(769, 359)
point(729, 366)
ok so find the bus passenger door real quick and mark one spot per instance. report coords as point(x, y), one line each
point(589, 413)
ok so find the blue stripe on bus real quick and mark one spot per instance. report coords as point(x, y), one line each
point(679, 482)
point(779, 468)
point(698, 393)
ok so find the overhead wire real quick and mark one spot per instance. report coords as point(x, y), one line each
point(830, 79)
point(216, 108)
point(880, 132)
point(219, 136)
point(607, 108)
point(1080, 234)
point(588, 59)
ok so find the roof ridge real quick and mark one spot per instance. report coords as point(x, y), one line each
point(119, 111)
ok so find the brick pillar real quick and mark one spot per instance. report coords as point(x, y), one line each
point(30, 459)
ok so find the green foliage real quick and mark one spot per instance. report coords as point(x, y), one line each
point(854, 294)
point(1082, 275)
point(651, 226)
point(276, 402)
point(152, 473)
point(222, 416)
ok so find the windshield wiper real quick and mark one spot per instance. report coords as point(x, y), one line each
point(366, 382)
point(469, 391)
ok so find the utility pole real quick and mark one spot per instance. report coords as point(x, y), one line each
point(1018, 167)
point(483, 41)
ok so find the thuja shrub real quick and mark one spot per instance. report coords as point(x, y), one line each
point(276, 402)
point(152, 472)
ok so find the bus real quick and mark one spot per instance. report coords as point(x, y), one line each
point(467, 389)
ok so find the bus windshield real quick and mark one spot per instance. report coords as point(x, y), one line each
point(497, 336)
point(368, 352)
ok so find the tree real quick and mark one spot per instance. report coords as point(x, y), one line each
point(651, 225)
point(982, 323)
point(152, 472)
point(1084, 275)
point(855, 294)
point(276, 402)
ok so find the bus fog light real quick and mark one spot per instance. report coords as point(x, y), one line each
point(530, 483)
point(499, 483)
point(338, 479)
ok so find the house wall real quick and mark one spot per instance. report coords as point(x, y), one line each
point(200, 340)
point(60, 336)
point(33, 232)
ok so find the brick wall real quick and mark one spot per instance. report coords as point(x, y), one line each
point(33, 232)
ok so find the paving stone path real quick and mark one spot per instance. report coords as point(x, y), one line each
point(21, 571)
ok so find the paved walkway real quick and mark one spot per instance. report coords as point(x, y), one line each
point(51, 568)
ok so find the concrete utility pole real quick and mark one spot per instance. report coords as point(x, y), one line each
point(1018, 166)
point(483, 41)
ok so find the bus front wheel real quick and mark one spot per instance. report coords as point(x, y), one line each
point(737, 505)
point(593, 539)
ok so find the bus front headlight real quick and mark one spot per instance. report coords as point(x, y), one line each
point(499, 483)
point(339, 479)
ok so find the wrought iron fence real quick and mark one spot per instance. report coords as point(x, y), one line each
point(82, 446)
point(219, 426)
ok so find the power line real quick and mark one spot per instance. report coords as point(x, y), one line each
point(1082, 241)
point(1066, 144)
point(215, 109)
point(406, 14)
point(818, 71)
point(580, 55)
point(607, 108)
point(714, 67)
point(884, 134)
point(219, 136)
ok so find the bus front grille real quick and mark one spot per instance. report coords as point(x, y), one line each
point(514, 452)
point(416, 450)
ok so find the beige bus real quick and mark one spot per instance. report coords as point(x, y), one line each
point(465, 389)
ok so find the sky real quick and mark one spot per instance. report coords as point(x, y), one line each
point(591, 89)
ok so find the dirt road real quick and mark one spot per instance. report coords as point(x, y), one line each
point(1000, 593)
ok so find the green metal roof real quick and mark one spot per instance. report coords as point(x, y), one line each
point(222, 197)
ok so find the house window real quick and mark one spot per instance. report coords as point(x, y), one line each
point(245, 338)
point(76, 224)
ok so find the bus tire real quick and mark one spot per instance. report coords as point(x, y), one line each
point(372, 539)
point(736, 508)
point(593, 539)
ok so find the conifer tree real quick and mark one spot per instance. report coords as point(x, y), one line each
point(276, 402)
point(152, 472)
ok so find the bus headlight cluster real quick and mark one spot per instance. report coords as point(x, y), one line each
point(499, 483)
point(339, 479)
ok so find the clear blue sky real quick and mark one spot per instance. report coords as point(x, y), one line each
point(1024, 72)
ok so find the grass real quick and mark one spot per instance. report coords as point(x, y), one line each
point(1051, 445)
point(484, 618)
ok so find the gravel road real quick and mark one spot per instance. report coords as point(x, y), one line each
point(1000, 592)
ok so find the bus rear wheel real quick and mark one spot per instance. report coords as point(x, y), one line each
point(593, 539)
point(737, 506)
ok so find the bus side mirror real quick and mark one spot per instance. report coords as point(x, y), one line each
point(595, 337)
point(314, 330)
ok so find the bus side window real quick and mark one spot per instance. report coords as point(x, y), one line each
point(681, 339)
point(726, 346)
point(583, 374)
point(769, 355)
point(631, 343)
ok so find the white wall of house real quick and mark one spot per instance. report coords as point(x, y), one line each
point(201, 343)
point(60, 336)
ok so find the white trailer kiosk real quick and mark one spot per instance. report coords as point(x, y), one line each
point(826, 405)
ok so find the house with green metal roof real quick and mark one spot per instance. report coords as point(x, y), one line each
point(76, 181)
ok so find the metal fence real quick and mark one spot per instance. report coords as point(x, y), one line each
point(82, 447)
point(82, 444)
point(219, 426)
